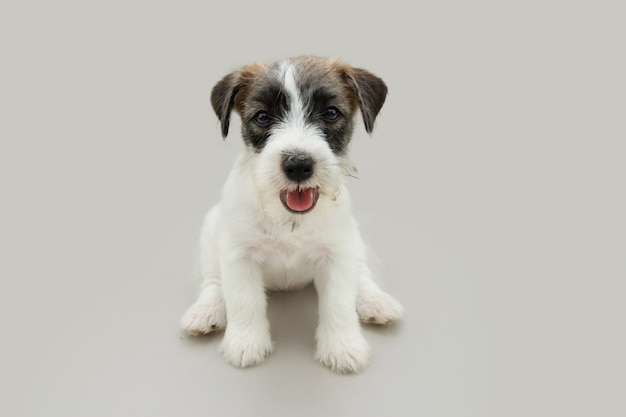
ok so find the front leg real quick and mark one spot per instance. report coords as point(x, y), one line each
point(247, 339)
point(340, 344)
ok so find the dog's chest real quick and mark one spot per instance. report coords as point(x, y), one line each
point(283, 248)
point(287, 260)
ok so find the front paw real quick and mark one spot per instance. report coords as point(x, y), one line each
point(244, 348)
point(204, 318)
point(343, 354)
point(378, 307)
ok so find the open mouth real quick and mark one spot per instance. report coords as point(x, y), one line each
point(300, 201)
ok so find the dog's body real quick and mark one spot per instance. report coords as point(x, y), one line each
point(284, 219)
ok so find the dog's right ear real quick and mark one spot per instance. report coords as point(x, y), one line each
point(223, 98)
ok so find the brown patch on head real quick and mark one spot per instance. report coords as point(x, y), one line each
point(352, 86)
point(325, 83)
point(324, 79)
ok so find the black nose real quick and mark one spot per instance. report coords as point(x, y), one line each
point(298, 167)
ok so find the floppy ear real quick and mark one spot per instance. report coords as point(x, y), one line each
point(223, 99)
point(371, 92)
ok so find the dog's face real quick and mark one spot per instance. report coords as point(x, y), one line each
point(297, 120)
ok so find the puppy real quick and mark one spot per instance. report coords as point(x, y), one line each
point(284, 219)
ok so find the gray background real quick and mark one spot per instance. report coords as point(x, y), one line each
point(493, 190)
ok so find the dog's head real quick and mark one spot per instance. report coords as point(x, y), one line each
point(297, 120)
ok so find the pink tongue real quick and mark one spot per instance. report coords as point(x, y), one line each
point(300, 200)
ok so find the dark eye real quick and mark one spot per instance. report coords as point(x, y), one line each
point(331, 114)
point(262, 118)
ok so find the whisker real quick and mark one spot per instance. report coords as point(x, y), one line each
point(348, 174)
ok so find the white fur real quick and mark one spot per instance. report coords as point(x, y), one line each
point(251, 243)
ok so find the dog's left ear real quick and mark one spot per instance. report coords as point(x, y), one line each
point(223, 98)
point(371, 92)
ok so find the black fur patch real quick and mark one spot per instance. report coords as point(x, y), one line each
point(268, 96)
point(322, 87)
